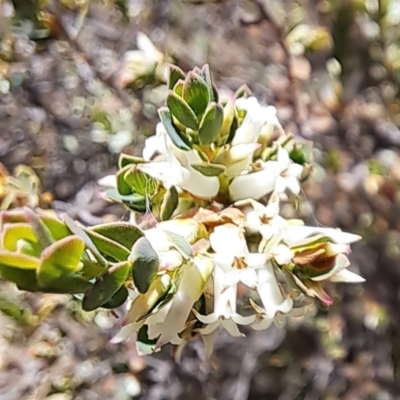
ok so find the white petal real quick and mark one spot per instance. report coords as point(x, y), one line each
point(125, 333)
point(346, 276)
point(108, 181)
point(248, 276)
point(256, 260)
point(228, 239)
point(146, 45)
point(296, 234)
point(231, 328)
point(199, 185)
point(294, 169)
point(254, 185)
point(283, 158)
point(293, 184)
point(209, 341)
point(192, 282)
point(282, 254)
point(262, 323)
point(241, 320)
point(188, 228)
point(224, 297)
point(270, 293)
point(281, 184)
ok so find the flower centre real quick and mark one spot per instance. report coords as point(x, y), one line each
point(239, 263)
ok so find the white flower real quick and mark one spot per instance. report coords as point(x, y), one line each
point(256, 117)
point(271, 297)
point(224, 313)
point(233, 257)
point(263, 219)
point(140, 62)
point(192, 281)
point(287, 171)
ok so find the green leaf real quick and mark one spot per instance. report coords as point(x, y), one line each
point(178, 140)
point(13, 233)
point(19, 261)
point(123, 187)
point(108, 247)
point(178, 88)
point(210, 169)
point(20, 269)
point(117, 299)
point(80, 233)
point(123, 233)
point(174, 75)
point(106, 286)
point(211, 124)
point(71, 284)
point(57, 228)
point(135, 202)
point(127, 159)
point(181, 111)
point(169, 203)
point(140, 182)
point(234, 127)
point(145, 263)
point(25, 279)
point(196, 93)
point(59, 260)
point(42, 232)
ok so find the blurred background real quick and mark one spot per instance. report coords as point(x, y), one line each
point(78, 85)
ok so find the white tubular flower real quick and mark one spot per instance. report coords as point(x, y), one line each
point(254, 185)
point(262, 219)
point(233, 257)
point(256, 117)
point(194, 276)
point(271, 297)
point(288, 172)
point(224, 313)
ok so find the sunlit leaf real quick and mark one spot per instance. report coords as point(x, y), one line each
point(106, 286)
point(145, 264)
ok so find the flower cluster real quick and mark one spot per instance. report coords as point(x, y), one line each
point(206, 229)
point(213, 178)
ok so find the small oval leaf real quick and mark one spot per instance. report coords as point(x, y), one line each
point(210, 169)
point(174, 75)
point(169, 203)
point(177, 139)
point(108, 247)
point(181, 111)
point(145, 263)
point(211, 124)
point(59, 260)
point(196, 93)
point(123, 233)
point(117, 299)
point(106, 286)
